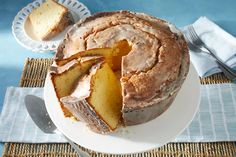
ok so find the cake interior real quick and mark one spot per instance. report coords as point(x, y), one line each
point(121, 48)
point(106, 96)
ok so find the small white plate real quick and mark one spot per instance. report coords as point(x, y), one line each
point(22, 29)
point(132, 139)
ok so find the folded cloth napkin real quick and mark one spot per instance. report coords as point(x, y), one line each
point(215, 120)
point(223, 44)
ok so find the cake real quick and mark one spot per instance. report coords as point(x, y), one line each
point(49, 19)
point(152, 67)
point(97, 99)
point(64, 78)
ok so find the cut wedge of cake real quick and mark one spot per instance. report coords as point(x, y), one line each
point(49, 19)
point(64, 78)
point(97, 99)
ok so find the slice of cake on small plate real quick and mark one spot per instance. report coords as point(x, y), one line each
point(97, 99)
point(49, 19)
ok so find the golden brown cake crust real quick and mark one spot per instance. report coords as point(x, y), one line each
point(154, 69)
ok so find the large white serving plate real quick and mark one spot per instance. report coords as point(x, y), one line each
point(132, 139)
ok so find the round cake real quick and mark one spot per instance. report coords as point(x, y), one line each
point(153, 70)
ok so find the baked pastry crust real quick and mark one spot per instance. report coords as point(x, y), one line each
point(154, 69)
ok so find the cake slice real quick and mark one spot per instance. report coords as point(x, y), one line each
point(97, 99)
point(49, 19)
point(64, 78)
point(113, 56)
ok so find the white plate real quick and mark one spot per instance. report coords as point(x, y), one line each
point(132, 139)
point(22, 29)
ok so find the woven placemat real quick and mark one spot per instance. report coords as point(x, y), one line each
point(34, 74)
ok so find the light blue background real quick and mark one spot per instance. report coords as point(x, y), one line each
point(179, 12)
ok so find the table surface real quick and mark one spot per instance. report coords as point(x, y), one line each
point(180, 13)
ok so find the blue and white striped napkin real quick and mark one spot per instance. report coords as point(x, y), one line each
point(215, 120)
